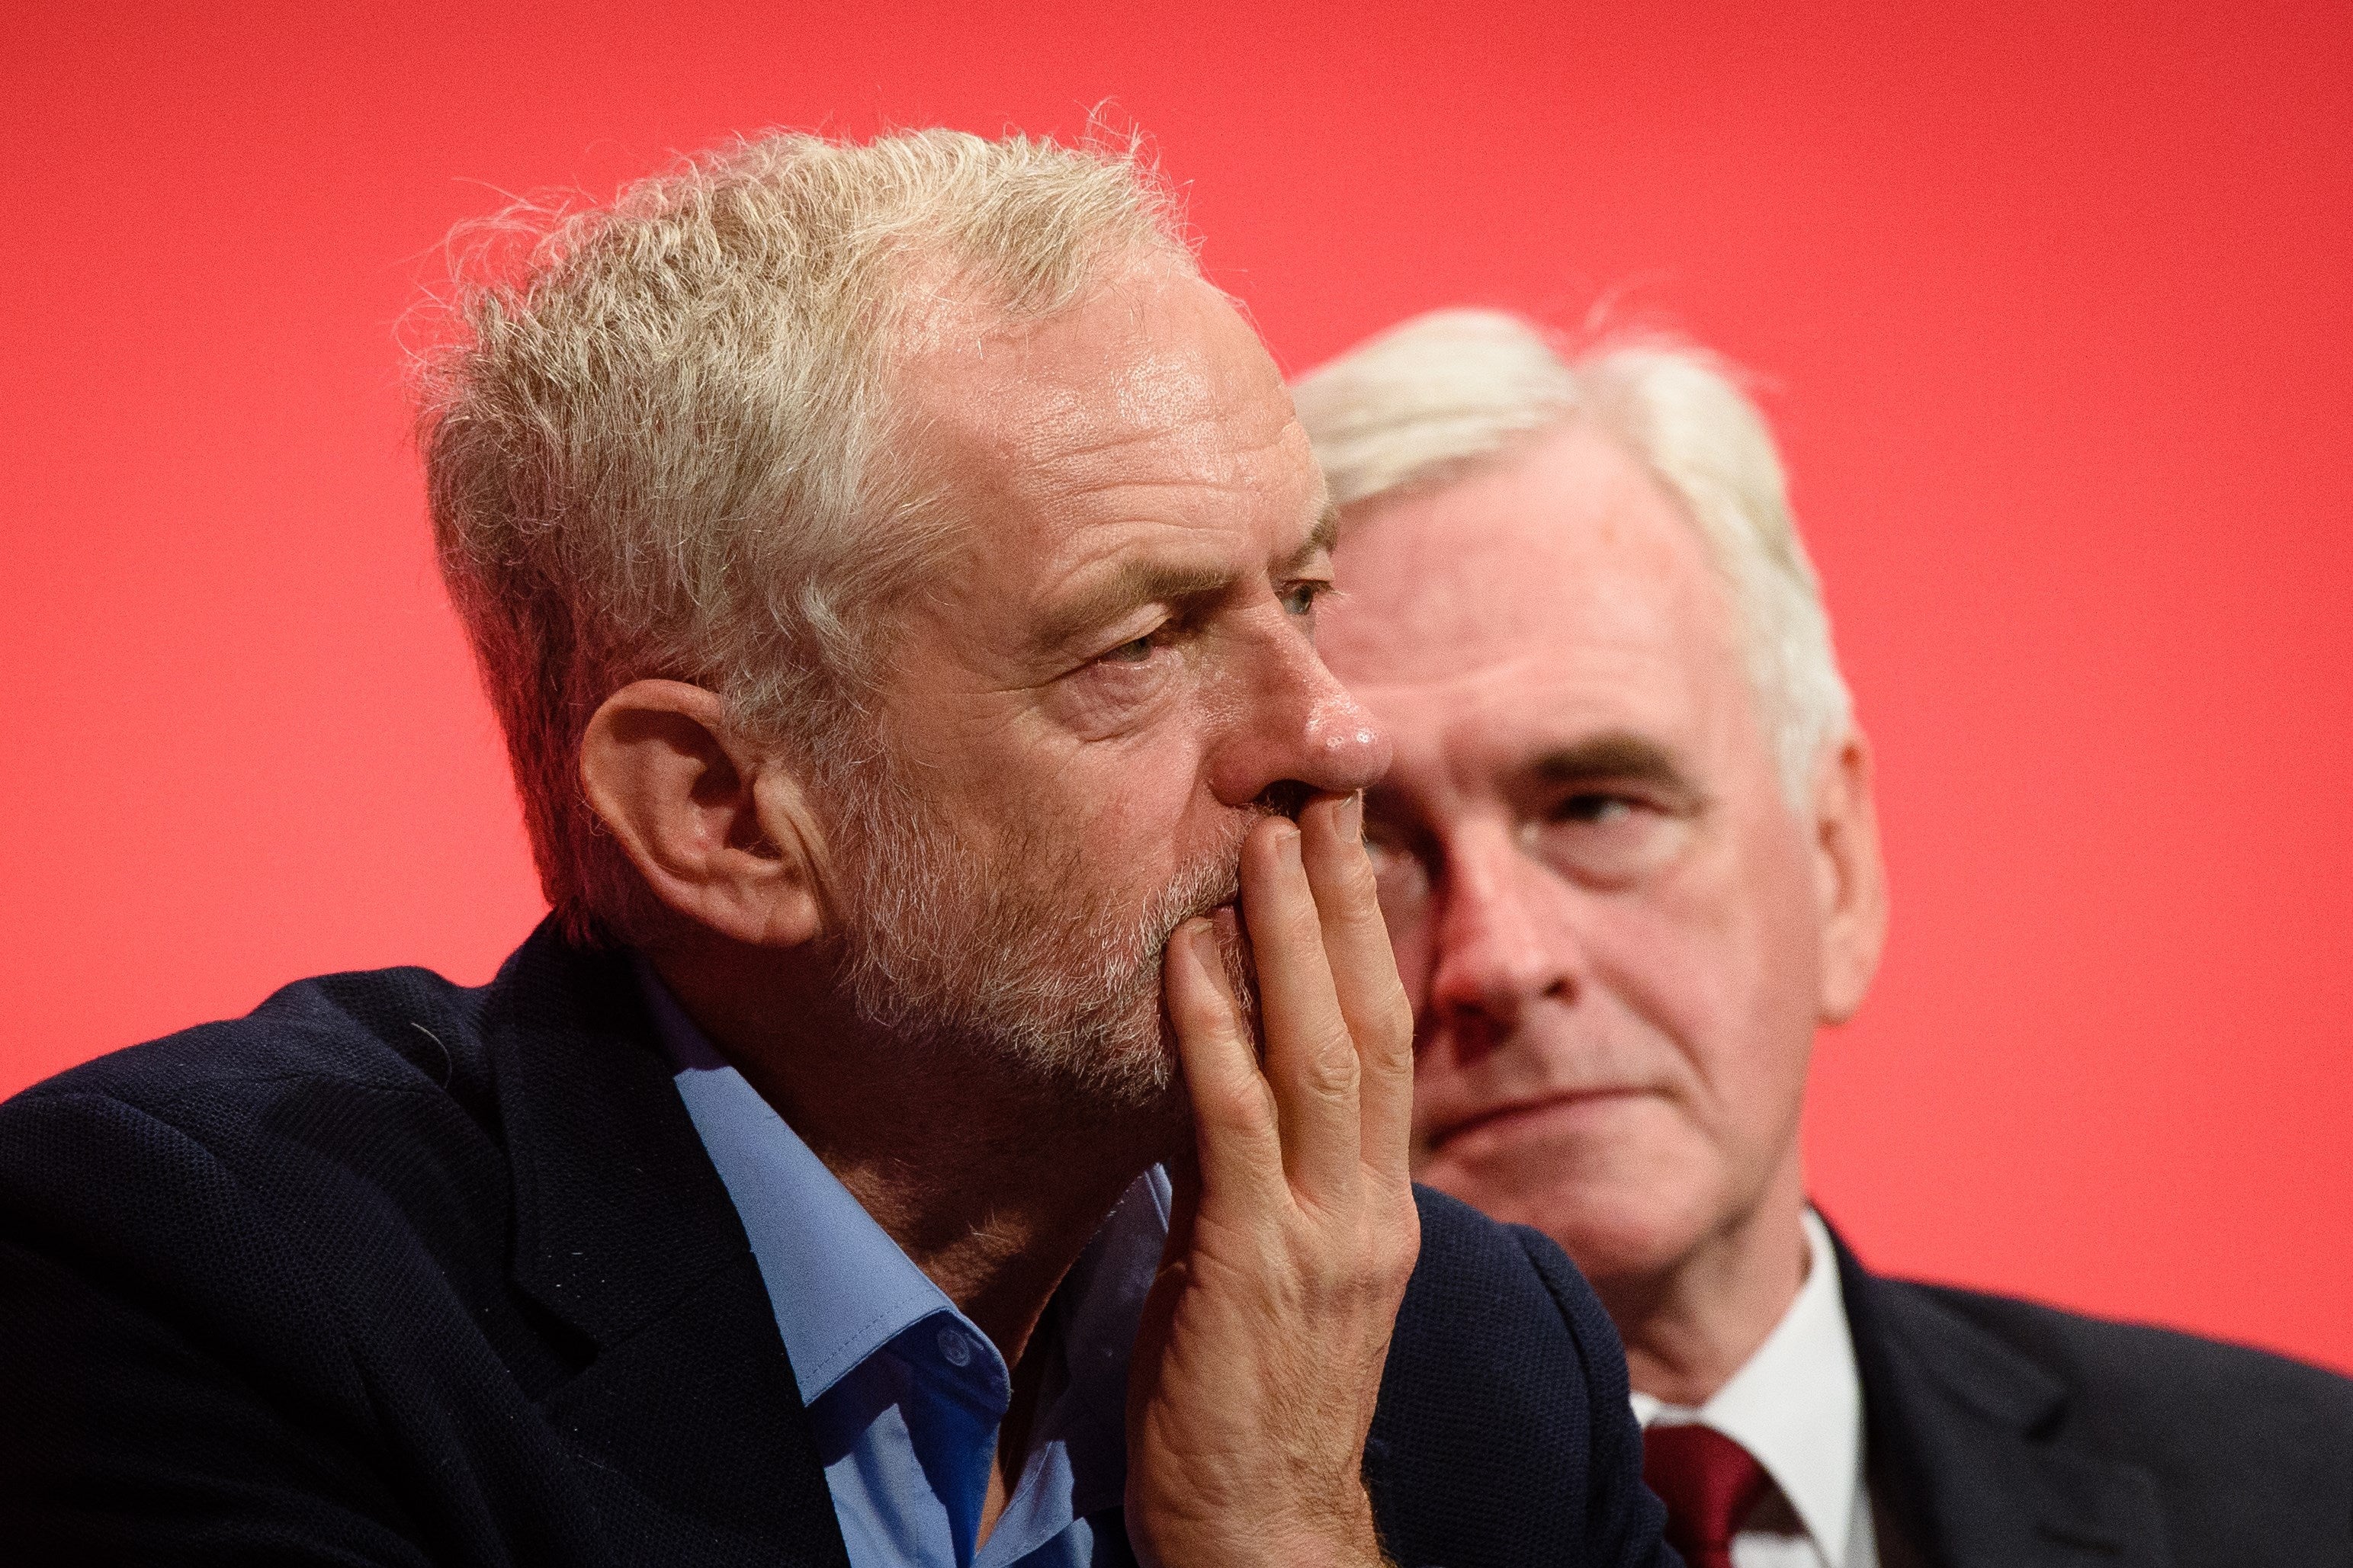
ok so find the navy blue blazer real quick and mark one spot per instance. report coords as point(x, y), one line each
point(394, 1271)
point(2003, 1434)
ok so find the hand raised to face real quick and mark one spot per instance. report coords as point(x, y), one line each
point(1260, 1358)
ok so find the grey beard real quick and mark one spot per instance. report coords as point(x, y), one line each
point(1016, 963)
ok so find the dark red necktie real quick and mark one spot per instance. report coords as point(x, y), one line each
point(1708, 1483)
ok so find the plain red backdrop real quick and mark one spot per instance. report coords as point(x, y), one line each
point(2054, 310)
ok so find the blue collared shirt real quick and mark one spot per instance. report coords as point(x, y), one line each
point(905, 1392)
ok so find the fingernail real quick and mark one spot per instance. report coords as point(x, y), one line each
point(1287, 836)
point(1351, 817)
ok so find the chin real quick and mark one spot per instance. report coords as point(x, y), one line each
point(1621, 1209)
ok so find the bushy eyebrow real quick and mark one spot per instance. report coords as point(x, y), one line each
point(1322, 538)
point(1156, 582)
point(1617, 754)
point(1134, 582)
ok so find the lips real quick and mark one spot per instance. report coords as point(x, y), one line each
point(1528, 1114)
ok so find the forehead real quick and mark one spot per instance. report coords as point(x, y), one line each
point(1155, 379)
point(1144, 430)
point(1556, 588)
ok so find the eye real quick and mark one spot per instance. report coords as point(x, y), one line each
point(1605, 837)
point(1596, 808)
point(1135, 650)
point(1300, 597)
point(1401, 868)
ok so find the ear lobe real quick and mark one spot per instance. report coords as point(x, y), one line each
point(1851, 878)
point(683, 797)
point(803, 903)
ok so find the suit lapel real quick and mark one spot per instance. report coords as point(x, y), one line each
point(687, 1422)
point(1969, 1445)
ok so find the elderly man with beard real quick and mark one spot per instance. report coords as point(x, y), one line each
point(1628, 859)
point(956, 1113)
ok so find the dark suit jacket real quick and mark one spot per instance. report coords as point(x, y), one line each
point(395, 1272)
point(2006, 1434)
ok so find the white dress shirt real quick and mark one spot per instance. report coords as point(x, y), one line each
point(1797, 1407)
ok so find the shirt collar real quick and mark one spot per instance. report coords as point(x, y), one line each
point(1083, 1420)
point(1797, 1403)
point(843, 1292)
point(840, 1287)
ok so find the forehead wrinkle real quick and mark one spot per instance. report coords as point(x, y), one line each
point(1138, 389)
point(1143, 396)
point(1065, 454)
point(1202, 451)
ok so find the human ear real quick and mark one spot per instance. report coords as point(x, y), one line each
point(1850, 879)
point(718, 829)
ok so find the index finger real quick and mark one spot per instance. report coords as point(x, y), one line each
point(1364, 974)
point(1311, 1058)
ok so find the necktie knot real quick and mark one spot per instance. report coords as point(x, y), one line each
point(1709, 1484)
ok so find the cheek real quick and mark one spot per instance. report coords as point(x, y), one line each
point(1625, 1187)
point(1673, 969)
point(1130, 809)
point(1105, 702)
point(1443, 1089)
point(1717, 960)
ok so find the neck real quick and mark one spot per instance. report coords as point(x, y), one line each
point(993, 1184)
point(1688, 1327)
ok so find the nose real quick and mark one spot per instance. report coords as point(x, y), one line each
point(1497, 955)
point(1298, 727)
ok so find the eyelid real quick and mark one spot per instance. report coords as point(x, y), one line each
point(1632, 795)
point(1654, 799)
point(1319, 591)
point(1152, 634)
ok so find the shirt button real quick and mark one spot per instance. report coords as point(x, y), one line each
point(956, 1348)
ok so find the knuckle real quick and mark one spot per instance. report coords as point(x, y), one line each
point(1396, 1280)
point(1391, 1266)
point(1302, 923)
point(1195, 1016)
point(1405, 1249)
point(1376, 1280)
point(1197, 1021)
point(1331, 1067)
point(1350, 871)
point(1392, 1035)
point(1400, 1224)
point(1355, 912)
point(1238, 1102)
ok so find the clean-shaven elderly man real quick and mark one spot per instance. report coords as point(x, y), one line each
point(1628, 855)
point(957, 1112)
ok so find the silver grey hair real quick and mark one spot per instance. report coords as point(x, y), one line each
point(663, 438)
point(1415, 405)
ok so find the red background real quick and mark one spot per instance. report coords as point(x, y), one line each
point(2056, 314)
